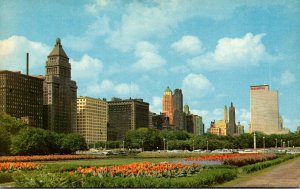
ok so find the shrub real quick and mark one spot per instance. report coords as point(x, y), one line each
point(6, 177)
point(258, 166)
point(44, 179)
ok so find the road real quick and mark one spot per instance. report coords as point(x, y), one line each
point(286, 174)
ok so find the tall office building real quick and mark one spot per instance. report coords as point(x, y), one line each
point(167, 103)
point(60, 92)
point(231, 127)
point(265, 111)
point(240, 129)
point(21, 96)
point(92, 118)
point(125, 115)
point(178, 100)
point(178, 109)
point(186, 109)
point(201, 126)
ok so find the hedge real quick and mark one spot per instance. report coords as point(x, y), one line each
point(6, 177)
point(262, 165)
point(203, 179)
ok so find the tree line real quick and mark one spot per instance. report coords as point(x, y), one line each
point(152, 139)
point(18, 138)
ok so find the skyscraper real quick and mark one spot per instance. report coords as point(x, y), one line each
point(231, 127)
point(178, 100)
point(178, 109)
point(125, 115)
point(21, 96)
point(92, 118)
point(167, 103)
point(186, 109)
point(265, 110)
point(60, 92)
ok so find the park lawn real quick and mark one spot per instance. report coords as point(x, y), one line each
point(61, 166)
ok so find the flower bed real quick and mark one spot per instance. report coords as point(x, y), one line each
point(43, 158)
point(144, 169)
point(246, 160)
point(232, 159)
point(13, 166)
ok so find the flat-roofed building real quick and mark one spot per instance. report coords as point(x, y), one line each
point(21, 96)
point(92, 118)
point(125, 115)
point(265, 111)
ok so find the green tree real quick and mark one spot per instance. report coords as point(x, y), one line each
point(72, 142)
point(11, 124)
point(30, 141)
point(5, 141)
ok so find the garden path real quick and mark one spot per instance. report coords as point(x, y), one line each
point(286, 174)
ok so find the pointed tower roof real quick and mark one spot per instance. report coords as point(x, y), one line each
point(58, 50)
point(168, 89)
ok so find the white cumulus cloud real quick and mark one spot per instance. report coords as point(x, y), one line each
point(13, 55)
point(86, 69)
point(156, 104)
point(147, 57)
point(196, 86)
point(110, 88)
point(95, 6)
point(188, 45)
point(287, 78)
point(233, 52)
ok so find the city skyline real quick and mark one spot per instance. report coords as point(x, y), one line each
point(212, 50)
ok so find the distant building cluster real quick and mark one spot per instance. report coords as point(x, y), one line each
point(176, 116)
point(227, 127)
point(50, 101)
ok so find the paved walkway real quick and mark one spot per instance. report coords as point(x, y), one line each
point(286, 174)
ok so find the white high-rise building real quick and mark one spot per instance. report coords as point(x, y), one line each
point(92, 118)
point(265, 111)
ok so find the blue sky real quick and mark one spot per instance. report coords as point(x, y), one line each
point(213, 50)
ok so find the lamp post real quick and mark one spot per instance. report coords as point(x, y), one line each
point(164, 144)
point(281, 143)
point(142, 145)
point(254, 141)
point(123, 145)
point(264, 143)
point(193, 145)
point(167, 146)
point(276, 142)
point(207, 145)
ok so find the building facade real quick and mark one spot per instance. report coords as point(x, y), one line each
point(231, 127)
point(125, 115)
point(92, 118)
point(178, 110)
point(240, 129)
point(167, 103)
point(264, 110)
point(60, 92)
point(21, 96)
point(220, 127)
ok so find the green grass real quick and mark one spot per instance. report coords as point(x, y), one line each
point(61, 166)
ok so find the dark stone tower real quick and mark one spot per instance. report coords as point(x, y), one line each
point(60, 92)
point(178, 109)
point(231, 124)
